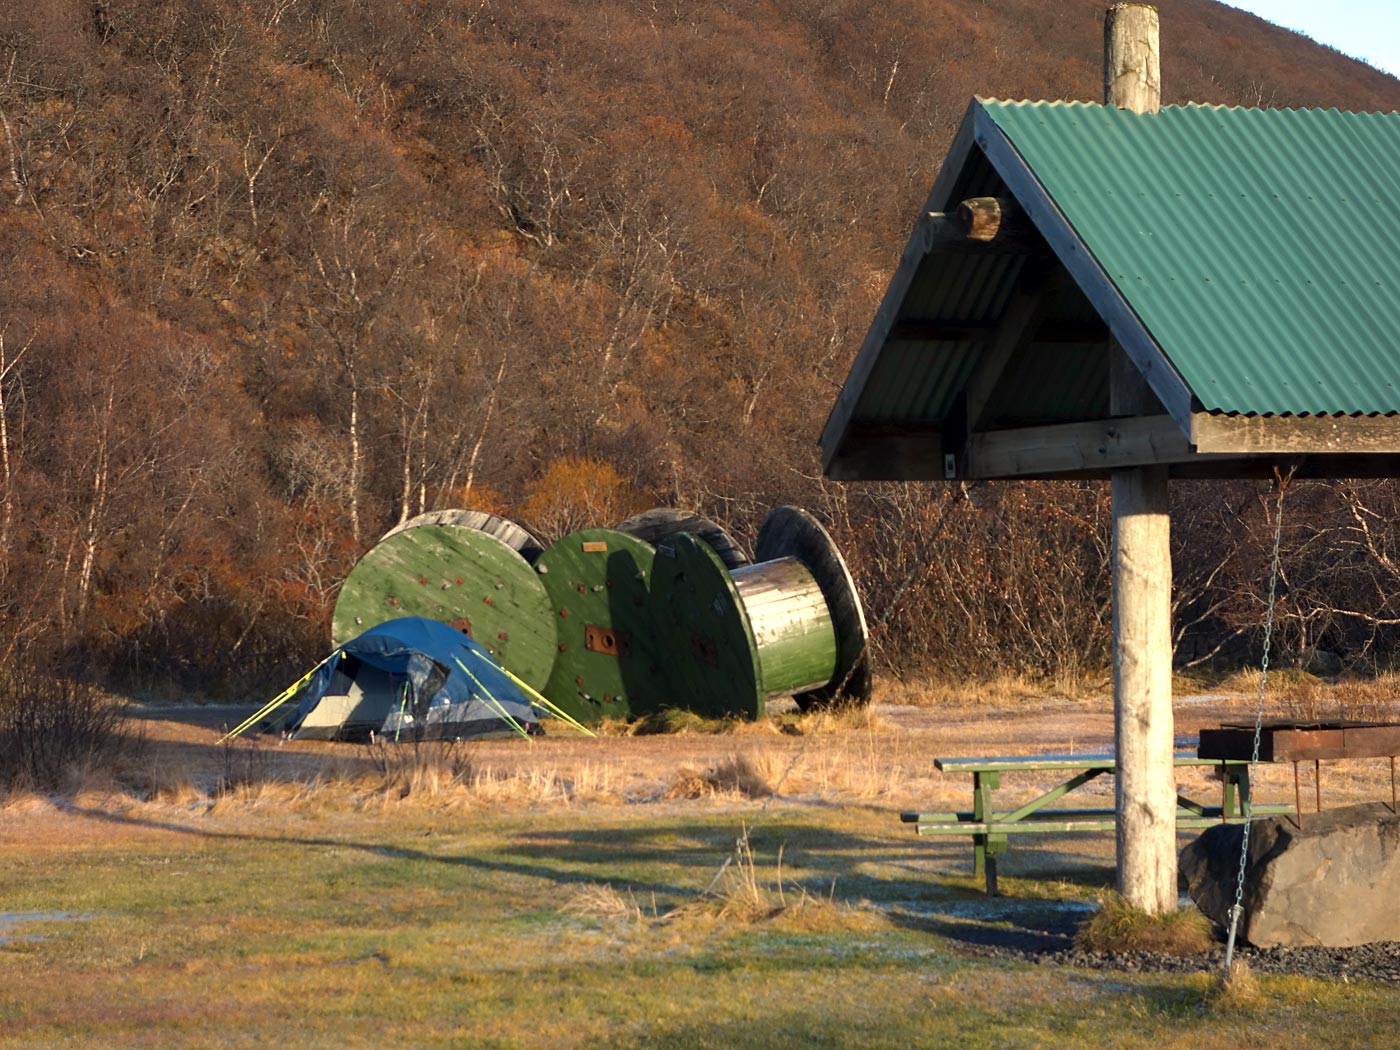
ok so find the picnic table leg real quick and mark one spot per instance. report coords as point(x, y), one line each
point(984, 847)
point(996, 845)
point(1228, 781)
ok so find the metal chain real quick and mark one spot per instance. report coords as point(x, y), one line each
point(1237, 909)
point(740, 843)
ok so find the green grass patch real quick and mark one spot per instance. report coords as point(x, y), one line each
point(534, 926)
point(1118, 926)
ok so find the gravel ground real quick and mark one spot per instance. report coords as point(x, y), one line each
point(1366, 962)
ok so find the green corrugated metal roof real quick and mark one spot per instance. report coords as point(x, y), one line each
point(1259, 248)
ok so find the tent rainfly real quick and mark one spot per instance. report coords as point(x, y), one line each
point(410, 678)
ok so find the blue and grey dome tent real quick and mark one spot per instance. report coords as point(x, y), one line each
point(409, 679)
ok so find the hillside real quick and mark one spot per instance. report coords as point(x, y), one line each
point(276, 274)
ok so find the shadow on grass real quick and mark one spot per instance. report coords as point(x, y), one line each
point(911, 881)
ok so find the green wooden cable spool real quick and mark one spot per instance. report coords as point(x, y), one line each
point(792, 532)
point(788, 625)
point(657, 524)
point(608, 661)
point(706, 633)
point(460, 576)
point(505, 530)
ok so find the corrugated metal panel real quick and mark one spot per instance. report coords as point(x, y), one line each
point(1260, 248)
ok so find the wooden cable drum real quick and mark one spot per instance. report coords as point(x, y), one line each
point(460, 576)
point(793, 532)
point(705, 630)
point(508, 532)
point(789, 625)
point(657, 524)
point(608, 661)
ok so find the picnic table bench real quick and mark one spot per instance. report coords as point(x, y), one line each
point(990, 827)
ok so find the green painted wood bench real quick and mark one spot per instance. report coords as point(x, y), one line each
point(991, 828)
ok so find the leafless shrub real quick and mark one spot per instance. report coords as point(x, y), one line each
point(1350, 700)
point(427, 768)
point(55, 732)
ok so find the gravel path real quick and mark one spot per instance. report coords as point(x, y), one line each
point(1366, 962)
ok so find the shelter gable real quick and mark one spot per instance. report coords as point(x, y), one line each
point(1172, 244)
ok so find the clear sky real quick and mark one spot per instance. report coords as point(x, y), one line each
point(1365, 29)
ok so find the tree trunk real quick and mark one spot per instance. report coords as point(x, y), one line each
point(354, 459)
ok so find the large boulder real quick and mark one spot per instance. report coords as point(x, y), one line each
point(1332, 882)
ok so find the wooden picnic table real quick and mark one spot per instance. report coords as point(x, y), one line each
point(990, 827)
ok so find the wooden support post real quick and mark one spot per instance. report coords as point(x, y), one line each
point(1142, 575)
point(1142, 689)
point(1132, 76)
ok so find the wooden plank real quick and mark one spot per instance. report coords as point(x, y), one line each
point(1034, 763)
point(1065, 448)
point(1046, 333)
point(998, 821)
point(791, 532)
point(1070, 825)
point(1017, 320)
point(888, 452)
point(508, 532)
point(657, 524)
point(700, 617)
point(1294, 435)
point(791, 626)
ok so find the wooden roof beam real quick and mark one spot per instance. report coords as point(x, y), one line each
point(1295, 435)
point(1070, 448)
point(888, 452)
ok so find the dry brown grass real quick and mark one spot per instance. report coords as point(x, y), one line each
point(170, 782)
point(427, 768)
point(1349, 699)
point(743, 895)
point(1000, 691)
point(604, 902)
point(749, 774)
point(1237, 990)
point(1120, 927)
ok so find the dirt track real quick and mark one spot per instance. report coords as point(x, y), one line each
point(889, 760)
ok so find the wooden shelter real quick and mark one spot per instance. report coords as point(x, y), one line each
point(1140, 293)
